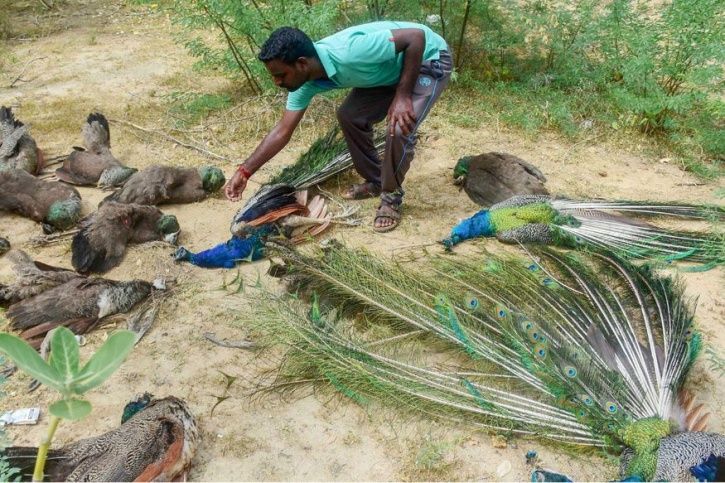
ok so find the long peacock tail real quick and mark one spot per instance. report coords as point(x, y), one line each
point(593, 350)
point(607, 224)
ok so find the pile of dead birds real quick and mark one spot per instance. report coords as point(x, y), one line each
point(158, 435)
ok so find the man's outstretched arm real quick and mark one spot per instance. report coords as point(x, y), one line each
point(272, 144)
point(412, 43)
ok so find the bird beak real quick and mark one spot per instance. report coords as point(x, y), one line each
point(172, 238)
point(459, 180)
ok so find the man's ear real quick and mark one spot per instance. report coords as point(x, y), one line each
point(303, 63)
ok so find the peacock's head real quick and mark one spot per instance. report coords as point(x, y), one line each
point(460, 171)
point(212, 178)
point(135, 406)
point(182, 255)
point(168, 227)
point(62, 215)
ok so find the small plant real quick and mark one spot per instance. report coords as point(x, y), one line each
point(717, 363)
point(63, 373)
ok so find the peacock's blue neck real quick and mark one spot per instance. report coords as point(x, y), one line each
point(476, 226)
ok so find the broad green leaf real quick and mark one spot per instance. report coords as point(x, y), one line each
point(64, 355)
point(28, 360)
point(73, 409)
point(104, 362)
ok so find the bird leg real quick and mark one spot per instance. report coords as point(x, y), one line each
point(39, 241)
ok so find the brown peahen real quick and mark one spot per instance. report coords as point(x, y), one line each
point(158, 185)
point(490, 178)
point(94, 165)
point(18, 149)
point(156, 441)
point(104, 234)
point(55, 205)
point(44, 297)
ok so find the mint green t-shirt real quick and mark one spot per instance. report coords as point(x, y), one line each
point(362, 56)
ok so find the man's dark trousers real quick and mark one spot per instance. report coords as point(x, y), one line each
point(364, 107)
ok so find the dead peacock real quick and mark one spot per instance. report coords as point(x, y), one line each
point(490, 178)
point(156, 441)
point(280, 208)
point(157, 185)
point(43, 297)
point(18, 149)
point(101, 242)
point(94, 164)
point(603, 224)
point(56, 206)
point(586, 352)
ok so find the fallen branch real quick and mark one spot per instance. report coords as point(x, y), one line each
point(241, 344)
point(174, 140)
point(22, 72)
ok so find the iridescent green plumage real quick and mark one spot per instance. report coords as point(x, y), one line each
point(592, 352)
point(601, 224)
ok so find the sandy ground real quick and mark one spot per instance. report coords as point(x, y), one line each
point(122, 60)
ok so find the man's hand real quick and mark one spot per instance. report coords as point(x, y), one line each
point(235, 186)
point(401, 114)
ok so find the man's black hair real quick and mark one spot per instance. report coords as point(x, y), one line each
point(287, 44)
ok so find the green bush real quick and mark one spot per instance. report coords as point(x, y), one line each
point(626, 64)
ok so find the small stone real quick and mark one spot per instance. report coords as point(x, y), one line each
point(603, 174)
point(503, 469)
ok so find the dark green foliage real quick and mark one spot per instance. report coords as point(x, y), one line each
point(569, 66)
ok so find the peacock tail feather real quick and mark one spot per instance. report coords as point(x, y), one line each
point(326, 157)
point(607, 224)
point(594, 347)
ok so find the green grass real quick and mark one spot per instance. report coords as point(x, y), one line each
point(191, 107)
point(694, 141)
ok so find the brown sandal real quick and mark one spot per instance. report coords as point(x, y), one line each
point(361, 191)
point(390, 212)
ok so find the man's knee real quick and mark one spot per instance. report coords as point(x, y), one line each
point(345, 114)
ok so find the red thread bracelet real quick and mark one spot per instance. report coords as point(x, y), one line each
point(245, 172)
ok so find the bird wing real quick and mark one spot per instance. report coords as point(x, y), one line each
point(187, 187)
point(147, 187)
point(10, 141)
point(101, 242)
point(148, 446)
point(77, 298)
point(495, 177)
point(32, 278)
point(83, 168)
point(145, 221)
